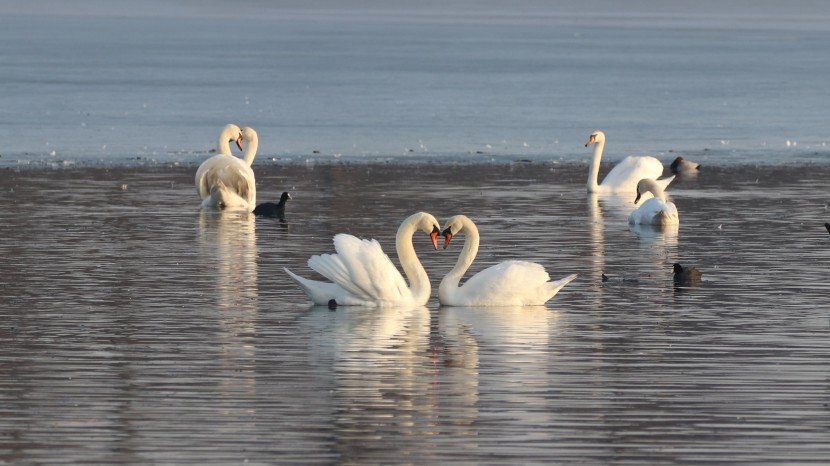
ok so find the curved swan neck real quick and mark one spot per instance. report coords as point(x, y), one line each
point(223, 146)
point(658, 192)
point(467, 256)
point(593, 170)
point(412, 268)
point(229, 133)
point(250, 149)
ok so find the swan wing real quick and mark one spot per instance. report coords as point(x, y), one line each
point(204, 177)
point(361, 268)
point(238, 177)
point(626, 174)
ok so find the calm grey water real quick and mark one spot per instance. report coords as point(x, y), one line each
point(737, 83)
point(135, 329)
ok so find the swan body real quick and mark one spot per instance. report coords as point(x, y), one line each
point(510, 283)
point(681, 165)
point(655, 211)
point(238, 184)
point(623, 178)
point(362, 275)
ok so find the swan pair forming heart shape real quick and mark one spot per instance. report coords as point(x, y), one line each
point(225, 181)
point(362, 275)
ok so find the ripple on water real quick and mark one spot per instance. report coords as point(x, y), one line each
point(136, 329)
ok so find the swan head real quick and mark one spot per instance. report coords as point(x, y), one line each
point(230, 133)
point(424, 222)
point(595, 137)
point(646, 185)
point(453, 227)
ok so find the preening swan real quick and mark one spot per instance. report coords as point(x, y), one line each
point(363, 275)
point(655, 211)
point(625, 175)
point(224, 181)
point(510, 283)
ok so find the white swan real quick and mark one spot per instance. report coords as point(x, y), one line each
point(224, 181)
point(626, 174)
point(363, 275)
point(510, 283)
point(655, 211)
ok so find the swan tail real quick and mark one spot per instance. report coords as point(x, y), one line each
point(554, 287)
point(319, 292)
point(665, 182)
point(667, 216)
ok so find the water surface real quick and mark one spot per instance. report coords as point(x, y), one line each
point(137, 329)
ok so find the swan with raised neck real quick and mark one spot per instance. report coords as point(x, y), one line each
point(626, 174)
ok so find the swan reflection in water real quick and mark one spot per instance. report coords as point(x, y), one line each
point(609, 215)
point(607, 212)
point(503, 354)
point(227, 243)
point(382, 373)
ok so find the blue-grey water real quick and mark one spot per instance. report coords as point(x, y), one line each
point(483, 81)
point(135, 329)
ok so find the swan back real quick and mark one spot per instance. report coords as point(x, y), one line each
point(655, 211)
point(510, 283)
point(222, 197)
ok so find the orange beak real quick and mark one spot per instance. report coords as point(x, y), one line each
point(447, 238)
point(434, 237)
point(239, 142)
point(591, 140)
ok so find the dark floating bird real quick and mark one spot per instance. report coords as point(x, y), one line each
point(332, 304)
point(827, 225)
point(681, 165)
point(269, 209)
point(686, 276)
